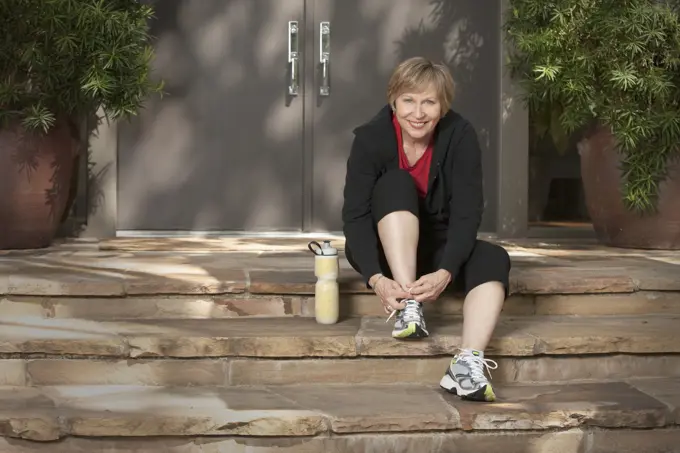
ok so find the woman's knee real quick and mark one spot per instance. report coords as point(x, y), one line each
point(394, 191)
point(396, 180)
point(496, 256)
point(489, 262)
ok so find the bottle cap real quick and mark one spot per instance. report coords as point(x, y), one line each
point(328, 250)
point(322, 250)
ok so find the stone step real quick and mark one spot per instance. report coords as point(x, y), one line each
point(374, 371)
point(352, 305)
point(578, 440)
point(266, 351)
point(298, 337)
point(577, 418)
point(101, 273)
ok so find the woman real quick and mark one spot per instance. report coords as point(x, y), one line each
point(413, 205)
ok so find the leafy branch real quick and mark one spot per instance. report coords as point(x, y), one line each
point(612, 62)
point(71, 57)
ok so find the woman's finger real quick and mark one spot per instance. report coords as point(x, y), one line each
point(425, 290)
point(400, 294)
point(385, 305)
point(396, 305)
point(417, 290)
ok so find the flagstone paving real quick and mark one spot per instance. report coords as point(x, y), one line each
point(145, 267)
point(50, 413)
point(195, 345)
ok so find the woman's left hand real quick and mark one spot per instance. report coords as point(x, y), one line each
point(428, 287)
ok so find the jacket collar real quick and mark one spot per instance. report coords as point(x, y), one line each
point(381, 132)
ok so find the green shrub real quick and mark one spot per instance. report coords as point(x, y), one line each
point(608, 62)
point(71, 57)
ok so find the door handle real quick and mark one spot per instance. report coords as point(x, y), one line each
point(325, 57)
point(293, 58)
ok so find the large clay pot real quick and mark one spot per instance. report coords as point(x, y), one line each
point(35, 174)
point(614, 224)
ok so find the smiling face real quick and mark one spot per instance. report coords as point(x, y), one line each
point(418, 112)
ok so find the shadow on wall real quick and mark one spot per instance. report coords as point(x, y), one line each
point(85, 180)
point(466, 38)
point(461, 34)
point(223, 150)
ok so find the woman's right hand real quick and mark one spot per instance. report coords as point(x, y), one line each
point(389, 291)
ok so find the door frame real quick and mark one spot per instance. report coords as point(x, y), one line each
point(100, 194)
point(309, 95)
point(513, 149)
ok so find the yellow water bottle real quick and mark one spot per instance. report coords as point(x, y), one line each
point(327, 291)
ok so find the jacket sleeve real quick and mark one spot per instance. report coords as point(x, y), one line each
point(467, 201)
point(357, 217)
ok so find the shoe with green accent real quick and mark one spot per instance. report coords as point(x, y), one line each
point(410, 323)
point(465, 376)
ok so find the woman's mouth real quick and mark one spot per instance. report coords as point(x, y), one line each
point(417, 124)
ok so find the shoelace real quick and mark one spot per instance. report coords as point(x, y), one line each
point(477, 366)
point(410, 313)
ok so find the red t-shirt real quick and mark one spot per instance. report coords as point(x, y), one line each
point(420, 171)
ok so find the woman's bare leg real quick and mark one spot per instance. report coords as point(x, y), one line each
point(399, 232)
point(481, 311)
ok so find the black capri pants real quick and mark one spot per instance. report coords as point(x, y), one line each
point(396, 191)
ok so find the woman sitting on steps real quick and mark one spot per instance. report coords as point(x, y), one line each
point(413, 203)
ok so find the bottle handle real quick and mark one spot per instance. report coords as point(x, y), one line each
point(309, 246)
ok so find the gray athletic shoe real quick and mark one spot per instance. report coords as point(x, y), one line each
point(465, 377)
point(410, 322)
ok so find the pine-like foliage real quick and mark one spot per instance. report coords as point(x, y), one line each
point(70, 57)
point(612, 62)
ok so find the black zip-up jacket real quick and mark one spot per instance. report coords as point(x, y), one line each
point(454, 202)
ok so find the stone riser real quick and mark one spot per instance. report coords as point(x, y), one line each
point(242, 305)
point(369, 371)
point(571, 441)
point(297, 337)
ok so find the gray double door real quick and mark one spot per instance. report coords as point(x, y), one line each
point(261, 96)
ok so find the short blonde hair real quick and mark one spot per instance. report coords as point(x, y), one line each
point(416, 74)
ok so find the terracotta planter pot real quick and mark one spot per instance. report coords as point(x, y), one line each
point(35, 174)
point(613, 223)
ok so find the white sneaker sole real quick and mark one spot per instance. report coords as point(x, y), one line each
point(450, 385)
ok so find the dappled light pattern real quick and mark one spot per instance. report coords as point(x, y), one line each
point(242, 266)
point(234, 142)
point(228, 150)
